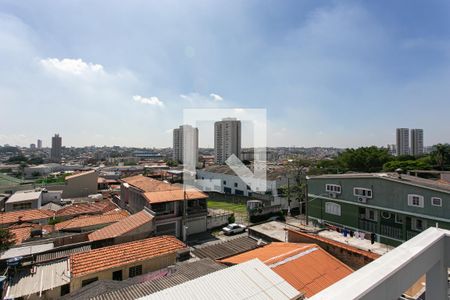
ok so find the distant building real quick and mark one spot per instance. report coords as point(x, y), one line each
point(227, 139)
point(31, 199)
point(55, 153)
point(32, 146)
point(417, 142)
point(81, 184)
point(39, 144)
point(402, 141)
point(185, 144)
point(392, 149)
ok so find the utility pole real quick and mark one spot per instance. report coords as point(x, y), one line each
point(184, 233)
point(306, 201)
point(289, 197)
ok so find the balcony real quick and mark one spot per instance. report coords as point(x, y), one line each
point(393, 273)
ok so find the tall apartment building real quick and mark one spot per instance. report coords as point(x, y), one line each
point(185, 145)
point(55, 153)
point(416, 142)
point(402, 141)
point(39, 144)
point(227, 139)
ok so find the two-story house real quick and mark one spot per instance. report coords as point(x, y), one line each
point(166, 202)
point(394, 207)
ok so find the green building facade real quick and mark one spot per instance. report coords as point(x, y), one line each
point(394, 208)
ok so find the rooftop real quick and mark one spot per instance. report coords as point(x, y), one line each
point(80, 174)
point(307, 267)
point(147, 184)
point(122, 226)
point(25, 216)
point(91, 220)
point(405, 179)
point(249, 280)
point(227, 248)
point(123, 254)
point(273, 172)
point(98, 207)
point(20, 196)
point(174, 195)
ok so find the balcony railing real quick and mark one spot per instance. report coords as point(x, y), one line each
point(390, 231)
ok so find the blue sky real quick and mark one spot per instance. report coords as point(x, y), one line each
point(329, 73)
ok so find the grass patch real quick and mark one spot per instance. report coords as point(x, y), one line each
point(236, 208)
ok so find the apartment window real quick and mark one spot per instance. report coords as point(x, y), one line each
point(362, 192)
point(248, 187)
point(21, 206)
point(224, 182)
point(371, 215)
point(235, 184)
point(333, 188)
point(65, 289)
point(415, 200)
point(88, 281)
point(135, 271)
point(117, 275)
point(398, 219)
point(333, 208)
point(435, 201)
point(417, 224)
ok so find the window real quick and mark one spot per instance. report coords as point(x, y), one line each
point(371, 214)
point(398, 219)
point(117, 275)
point(418, 224)
point(239, 192)
point(224, 182)
point(248, 187)
point(435, 201)
point(20, 206)
point(333, 188)
point(65, 289)
point(333, 208)
point(88, 281)
point(362, 192)
point(415, 200)
point(235, 184)
point(135, 271)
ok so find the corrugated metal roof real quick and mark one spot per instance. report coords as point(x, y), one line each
point(61, 254)
point(226, 248)
point(45, 277)
point(180, 274)
point(249, 280)
point(26, 250)
point(307, 267)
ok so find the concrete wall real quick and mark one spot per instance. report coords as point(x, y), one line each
point(149, 265)
point(196, 225)
point(81, 186)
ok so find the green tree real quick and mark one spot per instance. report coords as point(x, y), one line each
point(6, 239)
point(406, 165)
point(441, 155)
point(364, 159)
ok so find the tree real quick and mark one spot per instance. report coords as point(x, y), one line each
point(6, 239)
point(364, 159)
point(296, 173)
point(441, 155)
point(406, 165)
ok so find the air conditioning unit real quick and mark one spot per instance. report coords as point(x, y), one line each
point(362, 199)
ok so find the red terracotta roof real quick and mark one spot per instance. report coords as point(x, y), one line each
point(176, 195)
point(25, 216)
point(22, 232)
point(307, 267)
point(123, 254)
point(147, 184)
point(121, 227)
point(90, 208)
point(91, 220)
point(368, 254)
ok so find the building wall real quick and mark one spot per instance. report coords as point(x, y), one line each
point(149, 265)
point(51, 196)
point(80, 186)
point(196, 225)
point(227, 139)
point(394, 218)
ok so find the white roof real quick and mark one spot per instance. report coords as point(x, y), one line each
point(24, 196)
point(249, 280)
point(26, 250)
point(44, 277)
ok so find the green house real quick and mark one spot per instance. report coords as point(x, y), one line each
point(395, 207)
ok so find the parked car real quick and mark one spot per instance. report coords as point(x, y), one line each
point(233, 229)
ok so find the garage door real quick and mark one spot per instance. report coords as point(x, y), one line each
point(196, 225)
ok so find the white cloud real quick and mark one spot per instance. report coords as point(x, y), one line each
point(216, 97)
point(151, 100)
point(71, 66)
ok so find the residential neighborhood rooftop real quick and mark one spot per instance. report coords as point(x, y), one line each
point(113, 256)
point(24, 216)
point(91, 220)
point(273, 172)
point(122, 226)
point(98, 207)
point(174, 195)
point(147, 184)
point(227, 248)
point(21, 196)
point(307, 267)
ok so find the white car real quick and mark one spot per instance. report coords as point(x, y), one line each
point(233, 229)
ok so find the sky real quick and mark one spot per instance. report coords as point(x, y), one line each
point(327, 73)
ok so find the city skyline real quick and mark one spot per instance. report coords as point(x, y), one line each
point(302, 61)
